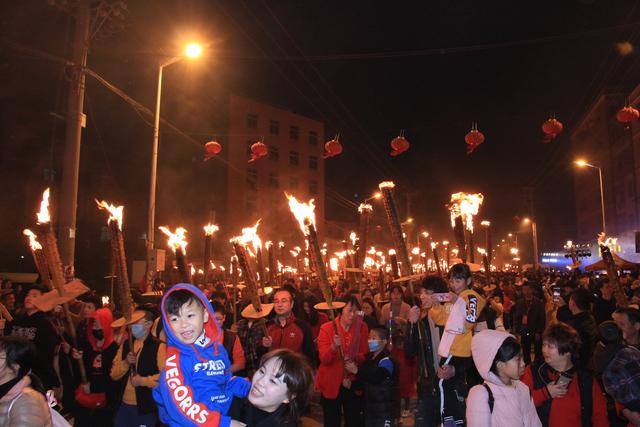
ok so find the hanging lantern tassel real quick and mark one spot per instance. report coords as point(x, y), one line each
point(258, 150)
point(399, 144)
point(551, 128)
point(627, 115)
point(474, 138)
point(332, 148)
point(211, 149)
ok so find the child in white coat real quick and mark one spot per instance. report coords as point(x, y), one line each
point(502, 401)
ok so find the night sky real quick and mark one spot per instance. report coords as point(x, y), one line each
point(367, 71)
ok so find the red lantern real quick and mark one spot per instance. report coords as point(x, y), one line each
point(627, 115)
point(551, 128)
point(473, 138)
point(258, 150)
point(332, 148)
point(211, 149)
point(399, 145)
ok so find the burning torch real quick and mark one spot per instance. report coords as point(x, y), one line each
point(178, 243)
point(304, 214)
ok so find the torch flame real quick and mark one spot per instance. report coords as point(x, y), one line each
point(33, 242)
point(209, 229)
point(372, 251)
point(193, 270)
point(445, 242)
point(433, 245)
point(268, 244)
point(481, 251)
point(281, 244)
point(353, 238)
point(115, 212)
point(466, 206)
point(177, 239)
point(610, 242)
point(43, 215)
point(392, 252)
point(485, 223)
point(365, 207)
point(386, 184)
point(333, 264)
point(415, 251)
point(304, 213)
point(249, 235)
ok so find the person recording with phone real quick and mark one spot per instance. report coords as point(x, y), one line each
point(564, 394)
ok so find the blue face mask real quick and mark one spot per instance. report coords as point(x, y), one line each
point(137, 331)
point(375, 345)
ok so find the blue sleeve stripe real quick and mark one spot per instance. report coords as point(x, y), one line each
point(387, 364)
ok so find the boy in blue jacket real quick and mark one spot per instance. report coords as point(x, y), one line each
point(195, 388)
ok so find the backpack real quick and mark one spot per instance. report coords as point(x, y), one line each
point(490, 399)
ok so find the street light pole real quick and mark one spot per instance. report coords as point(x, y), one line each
point(192, 51)
point(604, 223)
point(534, 235)
point(583, 163)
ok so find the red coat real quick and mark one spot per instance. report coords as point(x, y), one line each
point(331, 369)
point(565, 411)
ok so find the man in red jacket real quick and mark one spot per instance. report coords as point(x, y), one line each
point(285, 331)
point(335, 374)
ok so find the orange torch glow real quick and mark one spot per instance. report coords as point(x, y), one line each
point(209, 229)
point(115, 213)
point(302, 212)
point(43, 215)
point(365, 207)
point(33, 241)
point(466, 206)
point(176, 240)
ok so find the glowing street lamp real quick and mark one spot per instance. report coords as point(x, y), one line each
point(582, 163)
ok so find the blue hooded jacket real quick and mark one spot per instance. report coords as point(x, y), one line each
point(195, 388)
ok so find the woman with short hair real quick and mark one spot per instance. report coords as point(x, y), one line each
point(564, 394)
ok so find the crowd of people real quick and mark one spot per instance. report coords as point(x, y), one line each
point(532, 349)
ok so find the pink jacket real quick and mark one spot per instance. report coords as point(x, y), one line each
point(512, 406)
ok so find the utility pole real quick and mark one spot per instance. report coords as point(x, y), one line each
point(73, 132)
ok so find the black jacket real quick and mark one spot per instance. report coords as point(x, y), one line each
point(243, 411)
point(534, 314)
point(38, 329)
point(147, 365)
point(381, 387)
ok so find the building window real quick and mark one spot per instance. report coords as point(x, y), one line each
point(274, 153)
point(313, 138)
point(252, 121)
point(274, 127)
point(274, 180)
point(293, 183)
point(294, 132)
point(294, 158)
point(252, 179)
point(313, 188)
point(313, 162)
